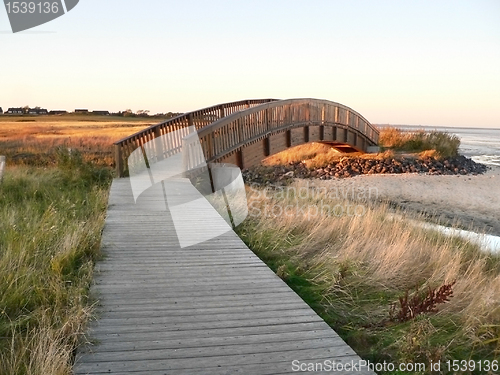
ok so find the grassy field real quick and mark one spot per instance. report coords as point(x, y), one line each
point(51, 222)
point(32, 140)
point(353, 269)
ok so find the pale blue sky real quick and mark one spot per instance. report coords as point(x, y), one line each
point(399, 62)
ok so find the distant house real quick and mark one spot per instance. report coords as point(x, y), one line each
point(81, 111)
point(15, 111)
point(58, 112)
point(101, 113)
point(38, 111)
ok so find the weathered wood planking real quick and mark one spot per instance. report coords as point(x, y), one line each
point(211, 308)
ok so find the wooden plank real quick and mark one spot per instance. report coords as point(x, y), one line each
point(253, 154)
point(250, 331)
point(191, 328)
point(296, 136)
point(205, 314)
point(209, 341)
point(278, 142)
point(198, 351)
point(173, 304)
point(314, 133)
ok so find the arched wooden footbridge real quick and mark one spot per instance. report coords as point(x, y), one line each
point(245, 132)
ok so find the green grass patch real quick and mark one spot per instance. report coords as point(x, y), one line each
point(51, 222)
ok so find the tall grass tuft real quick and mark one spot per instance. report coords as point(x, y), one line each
point(444, 144)
point(51, 222)
point(299, 153)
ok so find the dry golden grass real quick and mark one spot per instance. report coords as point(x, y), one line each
point(371, 255)
point(315, 155)
point(70, 126)
point(432, 154)
point(32, 140)
point(444, 144)
point(298, 153)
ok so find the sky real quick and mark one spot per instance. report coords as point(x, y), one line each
point(420, 62)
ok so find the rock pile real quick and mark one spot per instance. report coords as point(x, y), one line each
point(353, 166)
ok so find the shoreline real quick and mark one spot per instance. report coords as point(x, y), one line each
point(470, 202)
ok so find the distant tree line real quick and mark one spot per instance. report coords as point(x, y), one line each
point(27, 110)
point(144, 113)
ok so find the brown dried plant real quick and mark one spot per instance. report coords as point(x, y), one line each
point(419, 303)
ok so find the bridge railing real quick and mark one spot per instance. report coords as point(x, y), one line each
point(200, 118)
point(232, 132)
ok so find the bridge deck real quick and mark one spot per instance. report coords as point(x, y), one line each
point(213, 308)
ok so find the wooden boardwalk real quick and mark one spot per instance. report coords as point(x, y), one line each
point(212, 308)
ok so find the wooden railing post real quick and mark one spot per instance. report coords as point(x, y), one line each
point(239, 159)
point(118, 160)
point(266, 116)
point(266, 144)
point(157, 131)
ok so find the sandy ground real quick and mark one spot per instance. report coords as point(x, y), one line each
point(472, 202)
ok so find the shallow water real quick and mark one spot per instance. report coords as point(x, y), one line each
point(487, 159)
point(487, 242)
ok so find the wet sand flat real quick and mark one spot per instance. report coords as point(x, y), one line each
point(472, 202)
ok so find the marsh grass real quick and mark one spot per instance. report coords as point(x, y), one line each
point(51, 222)
point(444, 144)
point(42, 152)
point(352, 269)
point(33, 140)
